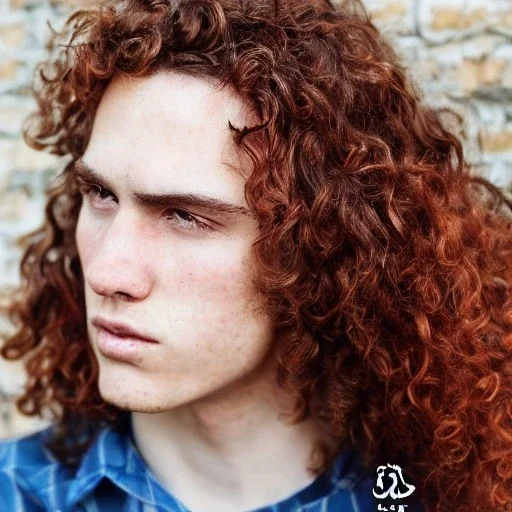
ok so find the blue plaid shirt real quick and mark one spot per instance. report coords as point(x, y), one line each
point(112, 476)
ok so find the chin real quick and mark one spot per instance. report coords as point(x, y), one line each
point(132, 393)
point(133, 402)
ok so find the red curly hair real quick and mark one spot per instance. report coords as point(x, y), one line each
point(387, 262)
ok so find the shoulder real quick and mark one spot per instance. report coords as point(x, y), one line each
point(30, 476)
point(26, 450)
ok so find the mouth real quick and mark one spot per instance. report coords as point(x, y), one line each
point(119, 341)
point(121, 329)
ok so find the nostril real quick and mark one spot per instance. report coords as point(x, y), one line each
point(124, 295)
point(126, 286)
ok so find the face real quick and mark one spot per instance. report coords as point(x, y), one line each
point(164, 239)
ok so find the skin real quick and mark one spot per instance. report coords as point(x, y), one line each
point(205, 396)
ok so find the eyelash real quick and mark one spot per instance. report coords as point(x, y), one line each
point(93, 192)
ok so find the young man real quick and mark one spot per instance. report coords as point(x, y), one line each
point(266, 280)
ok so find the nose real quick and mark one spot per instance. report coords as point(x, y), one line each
point(117, 264)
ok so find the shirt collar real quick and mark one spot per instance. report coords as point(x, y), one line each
point(114, 456)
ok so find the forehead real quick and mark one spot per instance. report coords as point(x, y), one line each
point(170, 129)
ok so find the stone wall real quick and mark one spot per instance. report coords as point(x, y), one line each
point(458, 51)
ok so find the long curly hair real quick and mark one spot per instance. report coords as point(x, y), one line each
point(385, 260)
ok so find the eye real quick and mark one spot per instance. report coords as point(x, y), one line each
point(186, 221)
point(98, 196)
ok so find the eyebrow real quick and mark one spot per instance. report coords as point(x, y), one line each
point(83, 171)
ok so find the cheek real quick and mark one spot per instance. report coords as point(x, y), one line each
point(234, 310)
point(216, 274)
point(87, 239)
point(213, 297)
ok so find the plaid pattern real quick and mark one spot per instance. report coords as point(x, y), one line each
point(113, 477)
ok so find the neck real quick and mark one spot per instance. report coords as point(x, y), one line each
point(231, 452)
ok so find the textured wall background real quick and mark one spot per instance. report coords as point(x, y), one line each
point(458, 51)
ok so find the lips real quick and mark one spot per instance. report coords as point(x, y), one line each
point(121, 330)
point(120, 342)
